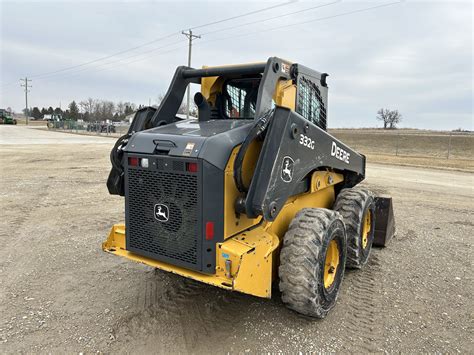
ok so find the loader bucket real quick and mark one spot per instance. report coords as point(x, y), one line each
point(384, 221)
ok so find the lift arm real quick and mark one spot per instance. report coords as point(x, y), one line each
point(293, 148)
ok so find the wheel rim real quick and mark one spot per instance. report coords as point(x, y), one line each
point(331, 263)
point(366, 227)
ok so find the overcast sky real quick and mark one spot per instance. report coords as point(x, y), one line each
point(414, 56)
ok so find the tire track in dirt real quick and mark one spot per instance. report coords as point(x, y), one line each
point(362, 322)
point(203, 313)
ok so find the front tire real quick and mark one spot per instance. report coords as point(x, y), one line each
point(357, 207)
point(312, 261)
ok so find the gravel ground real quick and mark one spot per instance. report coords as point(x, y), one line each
point(60, 293)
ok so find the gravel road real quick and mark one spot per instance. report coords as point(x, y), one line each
point(60, 293)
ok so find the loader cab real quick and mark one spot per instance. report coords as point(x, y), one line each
point(245, 92)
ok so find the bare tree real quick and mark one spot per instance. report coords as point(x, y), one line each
point(182, 108)
point(390, 118)
point(120, 109)
point(103, 110)
point(88, 107)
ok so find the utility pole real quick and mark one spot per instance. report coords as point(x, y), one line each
point(26, 86)
point(190, 37)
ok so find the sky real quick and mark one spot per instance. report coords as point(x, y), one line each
point(413, 56)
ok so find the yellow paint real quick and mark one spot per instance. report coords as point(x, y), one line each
point(253, 254)
point(235, 223)
point(285, 94)
point(331, 263)
point(210, 87)
point(367, 224)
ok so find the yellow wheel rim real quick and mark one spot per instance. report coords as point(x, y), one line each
point(367, 225)
point(331, 263)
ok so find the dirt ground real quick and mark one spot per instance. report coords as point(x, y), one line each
point(60, 293)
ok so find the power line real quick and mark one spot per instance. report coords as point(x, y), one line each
point(305, 22)
point(115, 66)
point(218, 30)
point(157, 40)
point(246, 14)
point(243, 35)
point(106, 57)
point(108, 63)
point(272, 18)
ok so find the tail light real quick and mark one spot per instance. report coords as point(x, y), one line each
point(209, 230)
point(192, 167)
point(133, 161)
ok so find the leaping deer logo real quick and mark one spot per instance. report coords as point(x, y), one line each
point(287, 169)
point(162, 212)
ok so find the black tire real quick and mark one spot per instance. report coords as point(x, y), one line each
point(303, 259)
point(354, 204)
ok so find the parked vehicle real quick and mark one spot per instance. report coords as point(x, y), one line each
point(6, 117)
point(101, 127)
point(53, 117)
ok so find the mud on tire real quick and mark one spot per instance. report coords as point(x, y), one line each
point(303, 276)
point(354, 204)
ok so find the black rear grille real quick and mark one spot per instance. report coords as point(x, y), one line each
point(165, 186)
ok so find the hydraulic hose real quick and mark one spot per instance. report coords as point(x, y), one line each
point(116, 153)
point(256, 131)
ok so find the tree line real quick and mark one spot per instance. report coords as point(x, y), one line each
point(89, 110)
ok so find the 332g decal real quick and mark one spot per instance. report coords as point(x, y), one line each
point(306, 141)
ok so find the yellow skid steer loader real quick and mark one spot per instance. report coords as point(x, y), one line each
point(252, 191)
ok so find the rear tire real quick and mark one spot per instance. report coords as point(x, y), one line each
point(312, 261)
point(357, 207)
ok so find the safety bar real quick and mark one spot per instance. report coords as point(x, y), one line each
point(246, 69)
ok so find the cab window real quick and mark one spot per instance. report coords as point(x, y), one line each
point(240, 97)
point(309, 102)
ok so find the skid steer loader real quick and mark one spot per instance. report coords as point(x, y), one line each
point(252, 191)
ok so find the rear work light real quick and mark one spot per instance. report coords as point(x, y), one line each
point(192, 167)
point(144, 162)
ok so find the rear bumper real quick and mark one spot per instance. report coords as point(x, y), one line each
point(243, 263)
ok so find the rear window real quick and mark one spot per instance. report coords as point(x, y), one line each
point(241, 97)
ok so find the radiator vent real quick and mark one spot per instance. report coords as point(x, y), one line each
point(163, 208)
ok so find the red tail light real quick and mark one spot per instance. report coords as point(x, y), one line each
point(133, 161)
point(192, 167)
point(209, 230)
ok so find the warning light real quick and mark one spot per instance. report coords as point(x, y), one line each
point(192, 167)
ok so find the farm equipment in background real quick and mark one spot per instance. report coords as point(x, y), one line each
point(101, 127)
point(253, 191)
point(6, 117)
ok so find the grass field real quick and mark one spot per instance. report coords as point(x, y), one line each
point(412, 147)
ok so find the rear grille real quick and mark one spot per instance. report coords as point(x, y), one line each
point(151, 194)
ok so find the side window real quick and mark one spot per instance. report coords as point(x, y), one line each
point(309, 102)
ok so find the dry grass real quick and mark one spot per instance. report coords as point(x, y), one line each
point(412, 147)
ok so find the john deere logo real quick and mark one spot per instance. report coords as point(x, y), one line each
point(162, 212)
point(287, 169)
